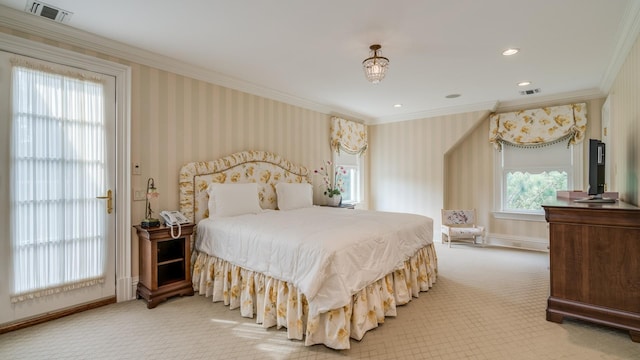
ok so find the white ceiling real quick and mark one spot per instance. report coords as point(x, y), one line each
point(310, 52)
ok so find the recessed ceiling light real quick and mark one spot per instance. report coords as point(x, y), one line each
point(509, 52)
point(524, 83)
point(452, 96)
point(397, 105)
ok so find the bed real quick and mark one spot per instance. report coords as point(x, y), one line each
point(325, 274)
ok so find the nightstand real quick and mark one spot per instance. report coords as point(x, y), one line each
point(165, 263)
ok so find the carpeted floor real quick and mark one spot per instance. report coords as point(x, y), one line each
point(488, 303)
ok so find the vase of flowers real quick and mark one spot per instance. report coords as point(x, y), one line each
point(334, 200)
point(333, 183)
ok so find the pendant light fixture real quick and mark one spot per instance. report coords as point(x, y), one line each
point(375, 66)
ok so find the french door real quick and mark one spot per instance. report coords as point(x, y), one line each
point(57, 190)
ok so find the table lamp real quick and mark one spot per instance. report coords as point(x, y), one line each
point(152, 193)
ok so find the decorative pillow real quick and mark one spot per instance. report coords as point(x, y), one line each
point(233, 199)
point(294, 195)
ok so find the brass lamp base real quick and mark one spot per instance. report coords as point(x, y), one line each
point(147, 223)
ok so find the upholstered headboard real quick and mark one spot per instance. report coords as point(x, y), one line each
point(265, 168)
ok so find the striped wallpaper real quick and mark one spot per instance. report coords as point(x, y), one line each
point(625, 128)
point(176, 120)
point(407, 162)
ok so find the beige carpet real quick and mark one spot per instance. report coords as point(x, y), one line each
point(488, 303)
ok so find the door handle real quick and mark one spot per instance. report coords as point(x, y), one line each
point(109, 201)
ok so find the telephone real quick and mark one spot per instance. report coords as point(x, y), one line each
point(172, 218)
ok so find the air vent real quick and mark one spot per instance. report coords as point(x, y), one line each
point(529, 92)
point(39, 8)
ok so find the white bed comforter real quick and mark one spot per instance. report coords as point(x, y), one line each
point(329, 254)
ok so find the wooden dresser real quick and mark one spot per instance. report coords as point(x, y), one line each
point(594, 256)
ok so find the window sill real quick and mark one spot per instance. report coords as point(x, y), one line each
point(505, 215)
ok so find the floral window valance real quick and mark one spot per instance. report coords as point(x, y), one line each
point(536, 127)
point(348, 136)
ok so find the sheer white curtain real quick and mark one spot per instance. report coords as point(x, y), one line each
point(58, 142)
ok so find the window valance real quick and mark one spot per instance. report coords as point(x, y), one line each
point(348, 136)
point(536, 127)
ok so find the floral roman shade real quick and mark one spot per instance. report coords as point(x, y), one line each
point(536, 127)
point(348, 136)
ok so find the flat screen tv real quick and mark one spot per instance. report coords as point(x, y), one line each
point(596, 173)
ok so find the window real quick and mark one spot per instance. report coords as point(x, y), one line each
point(351, 164)
point(348, 143)
point(526, 177)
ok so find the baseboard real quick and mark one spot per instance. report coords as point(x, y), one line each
point(126, 289)
point(134, 287)
point(55, 315)
point(518, 242)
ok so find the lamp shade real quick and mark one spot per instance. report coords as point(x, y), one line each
point(375, 66)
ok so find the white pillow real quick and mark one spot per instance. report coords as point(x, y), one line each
point(294, 195)
point(233, 199)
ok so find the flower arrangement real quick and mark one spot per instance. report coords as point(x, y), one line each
point(333, 184)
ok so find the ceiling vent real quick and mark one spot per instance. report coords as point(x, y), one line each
point(529, 92)
point(39, 8)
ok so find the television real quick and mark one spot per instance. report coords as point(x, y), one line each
point(596, 173)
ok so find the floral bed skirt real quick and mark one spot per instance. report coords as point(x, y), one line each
point(278, 303)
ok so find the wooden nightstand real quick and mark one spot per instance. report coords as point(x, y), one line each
point(165, 263)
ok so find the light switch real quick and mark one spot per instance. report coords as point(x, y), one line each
point(139, 194)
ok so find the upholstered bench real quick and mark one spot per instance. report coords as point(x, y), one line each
point(461, 225)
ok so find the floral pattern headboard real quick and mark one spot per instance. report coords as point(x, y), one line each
point(265, 168)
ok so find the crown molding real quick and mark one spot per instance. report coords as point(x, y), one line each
point(22, 21)
point(565, 98)
point(627, 34)
point(452, 110)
